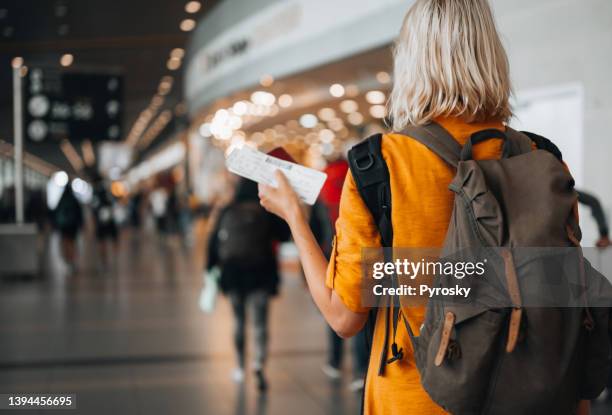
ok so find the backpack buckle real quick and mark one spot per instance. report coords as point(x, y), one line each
point(398, 354)
point(369, 162)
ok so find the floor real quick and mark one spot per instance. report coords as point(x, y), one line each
point(129, 338)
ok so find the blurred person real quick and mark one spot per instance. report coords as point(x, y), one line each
point(135, 206)
point(105, 223)
point(68, 218)
point(325, 213)
point(597, 212)
point(158, 200)
point(184, 219)
point(172, 211)
point(36, 209)
point(450, 68)
point(7, 205)
point(243, 244)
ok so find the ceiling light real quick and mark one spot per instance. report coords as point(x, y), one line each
point(187, 25)
point(308, 121)
point(336, 124)
point(66, 60)
point(263, 98)
point(173, 64)
point(378, 111)
point(352, 90)
point(17, 62)
point(285, 100)
point(326, 136)
point(193, 7)
point(60, 178)
point(336, 90)
point(376, 97)
point(177, 53)
point(240, 108)
point(348, 106)
point(235, 122)
point(326, 114)
point(266, 80)
point(355, 118)
point(383, 77)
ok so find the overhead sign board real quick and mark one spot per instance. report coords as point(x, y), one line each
point(71, 105)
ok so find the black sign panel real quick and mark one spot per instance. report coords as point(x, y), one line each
point(71, 105)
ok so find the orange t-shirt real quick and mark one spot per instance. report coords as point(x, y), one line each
point(422, 206)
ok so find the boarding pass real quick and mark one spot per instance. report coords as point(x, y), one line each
point(260, 167)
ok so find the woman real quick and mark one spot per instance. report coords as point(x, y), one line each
point(451, 68)
point(243, 246)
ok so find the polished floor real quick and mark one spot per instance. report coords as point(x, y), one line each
point(127, 337)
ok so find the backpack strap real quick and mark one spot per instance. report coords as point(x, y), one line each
point(520, 143)
point(543, 143)
point(438, 140)
point(371, 175)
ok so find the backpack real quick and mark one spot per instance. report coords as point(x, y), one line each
point(244, 234)
point(484, 359)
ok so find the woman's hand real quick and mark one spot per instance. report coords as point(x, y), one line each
point(282, 201)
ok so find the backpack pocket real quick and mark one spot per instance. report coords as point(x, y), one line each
point(457, 373)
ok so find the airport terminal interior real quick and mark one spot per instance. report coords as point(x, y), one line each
point(115, 122)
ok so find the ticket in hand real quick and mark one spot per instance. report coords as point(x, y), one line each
point(260, 167)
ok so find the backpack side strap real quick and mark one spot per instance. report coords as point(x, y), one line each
point(371, 175)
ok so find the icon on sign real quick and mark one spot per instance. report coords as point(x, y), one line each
point(113, 131)
point(112, 108)
point(113, 84)
point(82, 111)
point(38, 106)
point(37, 130)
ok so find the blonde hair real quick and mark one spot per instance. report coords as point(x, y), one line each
point(449, 61)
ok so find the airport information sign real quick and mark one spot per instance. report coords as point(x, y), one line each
point(72, 105)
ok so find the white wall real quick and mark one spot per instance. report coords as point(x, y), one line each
point(552, 43)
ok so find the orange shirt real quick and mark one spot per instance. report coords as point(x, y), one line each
point(421, 211)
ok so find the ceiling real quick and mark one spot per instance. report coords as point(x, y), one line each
point(132, 37)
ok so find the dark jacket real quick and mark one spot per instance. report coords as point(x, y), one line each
point(239, 277)
point(68, 216)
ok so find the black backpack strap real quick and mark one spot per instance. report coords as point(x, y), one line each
point(371, 176)
point(543, 143)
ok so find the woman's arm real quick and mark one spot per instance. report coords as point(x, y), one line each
point(283, 202)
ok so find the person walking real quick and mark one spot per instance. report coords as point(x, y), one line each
point(68, 218)
point(451, 69)
point(243, 244)
point(106, 225)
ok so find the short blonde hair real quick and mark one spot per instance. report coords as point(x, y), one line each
point(449, 61)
